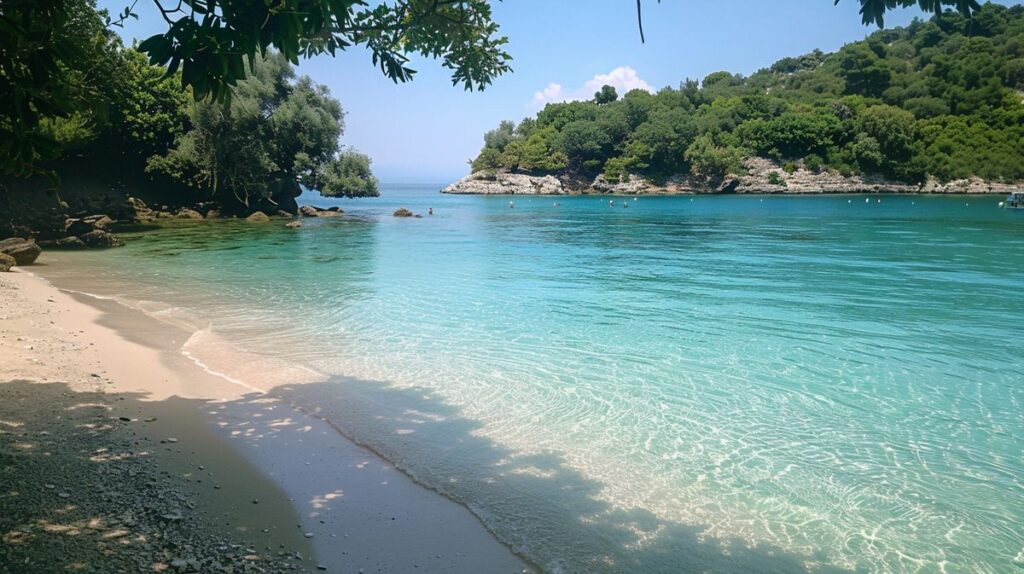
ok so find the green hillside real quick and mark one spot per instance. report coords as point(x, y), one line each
point(939, 98)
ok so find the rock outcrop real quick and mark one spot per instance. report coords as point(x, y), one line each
point(293, 224)
point(258, 217)
point(504, 183)
point(402, 212)
point(633, 185)
point(23, 251)
point(760, 178)
point(763, 176)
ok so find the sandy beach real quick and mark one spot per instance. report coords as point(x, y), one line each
point(120, 453)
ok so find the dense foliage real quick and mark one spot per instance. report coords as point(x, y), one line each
point(46, 45)
point(940, 98)
point(277, 133)
point(131, 118)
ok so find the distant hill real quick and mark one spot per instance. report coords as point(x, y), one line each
point(939, 99)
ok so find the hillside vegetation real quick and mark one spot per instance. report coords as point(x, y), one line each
point(940, 98)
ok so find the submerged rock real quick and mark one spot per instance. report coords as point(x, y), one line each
point(258, 217)
point(6, 262)
point(403, 212)
point(98, 238)
point(23, 251)
point(293, 224)
point(311, 211)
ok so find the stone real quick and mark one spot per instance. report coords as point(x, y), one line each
point(284, 214)
point(311, 211)
point(213, 214)
point(74, 226)
point(24, 251)
point(6, 262)
point(97, 238)
point(506, 183)
point(69, 243)
point(293, 224)
point(186, 213)
point(99, 221)
point(142, 212)
point(403, 212)
point(258, 217)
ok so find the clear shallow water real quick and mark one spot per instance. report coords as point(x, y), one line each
point(730, 384)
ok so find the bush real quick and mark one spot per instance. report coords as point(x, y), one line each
point(814, 163)
point(789, 168)
point(775, 179)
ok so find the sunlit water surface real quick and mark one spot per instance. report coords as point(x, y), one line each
point(730, 384)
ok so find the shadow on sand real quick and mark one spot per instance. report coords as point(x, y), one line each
point(536, 504)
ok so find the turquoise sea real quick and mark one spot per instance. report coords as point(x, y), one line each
point(707, 384)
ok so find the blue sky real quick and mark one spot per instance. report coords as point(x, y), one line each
point(426, 130)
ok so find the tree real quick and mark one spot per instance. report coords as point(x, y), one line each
point(278, 133)
point(499, 137)
point(865, 73)
point(211, 43)
point(55, 59)
point(605, 95)
point(711, 161)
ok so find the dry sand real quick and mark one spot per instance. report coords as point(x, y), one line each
point(100, 405)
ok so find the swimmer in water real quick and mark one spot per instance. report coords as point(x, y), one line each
point(511, 205)
point(430, 211)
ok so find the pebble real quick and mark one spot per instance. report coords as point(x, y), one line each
point(172, 440)
point(308, 535)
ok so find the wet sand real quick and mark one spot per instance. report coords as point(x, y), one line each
point(244, 467)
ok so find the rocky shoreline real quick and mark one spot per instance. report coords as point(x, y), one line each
point(764, 176)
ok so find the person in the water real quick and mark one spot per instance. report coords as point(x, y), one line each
point(430, 211)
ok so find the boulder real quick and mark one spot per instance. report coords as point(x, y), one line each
point(6, 262)
point(403, 212)
point(186, 213)
point(24, 251)
point(307, 211)
point(141, 210)
point(213, 214)
point(98, 221)
point(97, 238)
point(284, 214)
point(75, 226)
point(293, 224)
point(69, 243)
point(258, 217)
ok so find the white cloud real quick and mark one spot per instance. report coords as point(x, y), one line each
point(623, 79)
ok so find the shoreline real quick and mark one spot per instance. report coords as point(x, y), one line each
point(341, 506)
